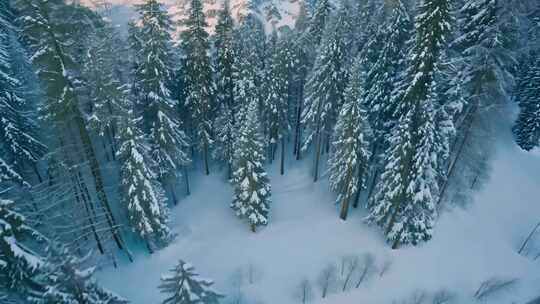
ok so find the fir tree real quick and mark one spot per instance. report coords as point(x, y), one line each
point(224, 63)
point(67, 281)
point(142, 196)
point(105, 90)
point(348, 162)
point(388, 47)
point(198, 77)
point(183, 286)
point(19, 264)
point(405, 204)
point(317, 23)
point(325, 89)
point(527, 127)
point(19, 139)
point(53, 31)
point(250, 181)
point(280, 69)
point(152, 80)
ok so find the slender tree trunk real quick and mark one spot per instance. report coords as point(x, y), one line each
point(206, 165)
point(317, 158)
point(344, 208)
point(253, 228)
point(78, 197)
point(282, 165)
point(298, 128)
point(173, 194)
point(104, 145)
point(186, 175)
point(358, 188)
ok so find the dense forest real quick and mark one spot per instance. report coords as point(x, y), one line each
point(392, 101)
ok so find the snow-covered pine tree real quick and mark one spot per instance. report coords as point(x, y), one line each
point(19, 264)
point(105, 90)
point(325, 88)
point(184, 286)
point(382, 76)
point(152, 80)
point(224, 61)
point(282, 62)
point(52, 31)
point(317, 24)
point(350, 154)
point(198, 79)
point(67, 281)
point(251, 184)
point(527, 126)
point(248, 65)
point(405, 204)
point(142, 196)
point(20, 146)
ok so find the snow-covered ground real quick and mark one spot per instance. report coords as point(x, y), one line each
point(305, 235)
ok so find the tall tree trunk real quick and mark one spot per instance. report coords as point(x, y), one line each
point(186, 177)
point(282, 165)
point(298, 127)
point(358, 188)
point(173, 193)
point(206, 165)
point(317, 158)
point(253, 228)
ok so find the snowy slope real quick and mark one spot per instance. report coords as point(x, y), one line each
point(305, 234)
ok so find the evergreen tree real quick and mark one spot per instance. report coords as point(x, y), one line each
point(250, 181)
point(527, 127)
point(152, 80)
point(67, 281)
point(105, 90)
point(348, 162)
point(183, 286)
point(317, 23)
point(142, 196)
point(224, 62)
point(382, 77)
point(280, 69)
point(19, 264)
point(198, 77)
point(405, 204)
point(325, 89)
point(54, 31)
point(248, 65)
point(19, 139)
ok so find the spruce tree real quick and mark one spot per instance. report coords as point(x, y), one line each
point(325, 89)
point(142, 196)
point(20, 145)
point(280, 67)
point(66, 280)
point(48, 28)
point(251, 184)
point(348, 163)
point(382, 77)
point(19, 263)
point(224, 62)
point(105, 90)
point(198, 79)
point(405, 204)
point(527, 126)
point(317, 24)
point(152, 81)
point(183, 286)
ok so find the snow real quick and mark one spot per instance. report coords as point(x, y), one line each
point(304, 234)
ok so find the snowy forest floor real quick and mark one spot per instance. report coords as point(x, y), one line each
point(304, 235)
